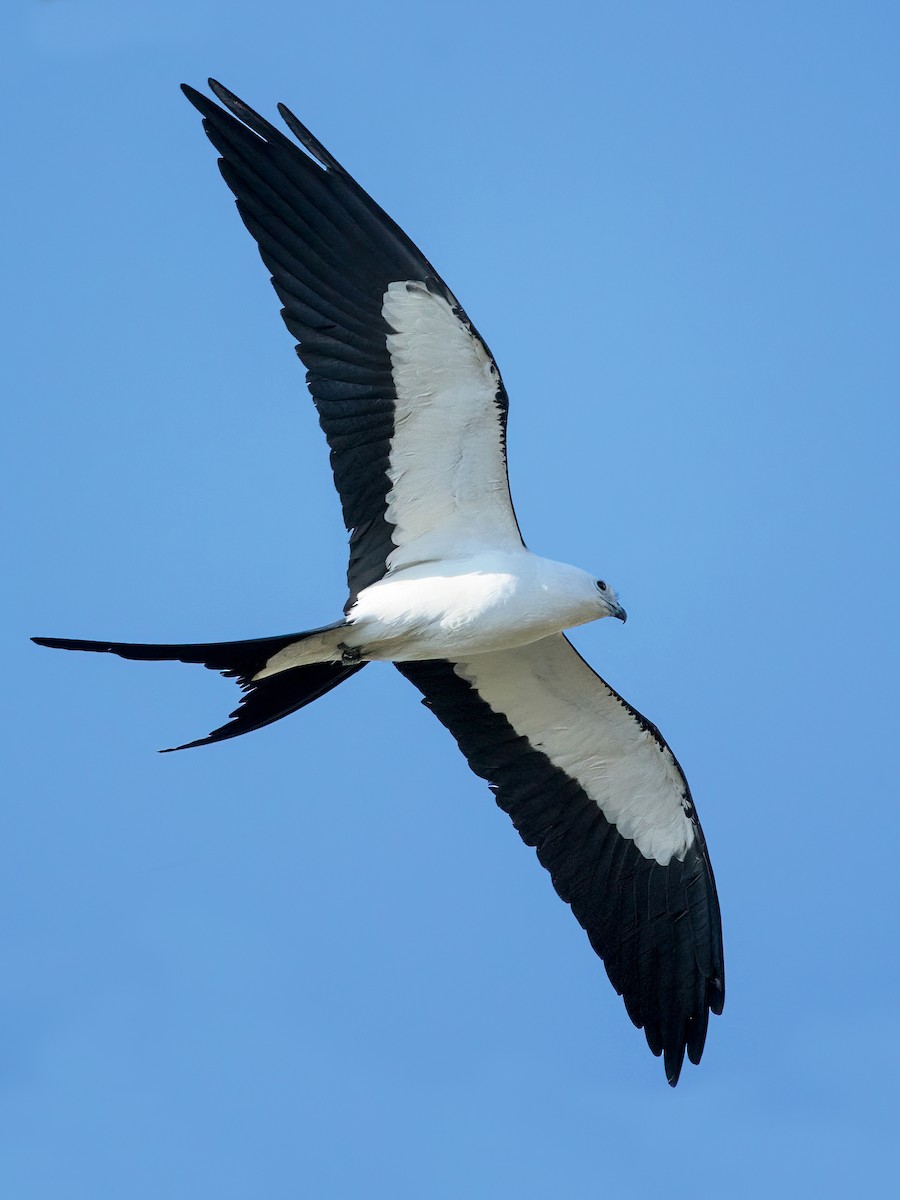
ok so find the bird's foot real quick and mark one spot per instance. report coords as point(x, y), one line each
point(350, 655)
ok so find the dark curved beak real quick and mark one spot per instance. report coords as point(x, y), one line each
point(616, 610)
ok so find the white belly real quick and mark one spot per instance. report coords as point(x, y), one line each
point(451, 610)
point(469, 607)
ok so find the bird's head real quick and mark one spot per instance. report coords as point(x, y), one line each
point(608, 601)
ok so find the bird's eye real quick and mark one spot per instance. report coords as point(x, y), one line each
point(601, 585)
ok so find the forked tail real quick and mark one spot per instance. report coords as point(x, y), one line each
point(264, 700)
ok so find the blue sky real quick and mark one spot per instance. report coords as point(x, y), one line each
point(317, 961)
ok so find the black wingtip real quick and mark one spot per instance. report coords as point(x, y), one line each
point(309, 141)
point(222, 92)
point(199, 101)
point(207, 108)
point(674, 1060)
point(246, 115)
point(217, 88)
point(249, 117)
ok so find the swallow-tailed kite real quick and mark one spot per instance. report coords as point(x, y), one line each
point(442, 585)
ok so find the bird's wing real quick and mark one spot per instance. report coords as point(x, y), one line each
point(592, 785)
point(409, 397)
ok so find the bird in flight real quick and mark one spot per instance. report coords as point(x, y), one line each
point(442, 585)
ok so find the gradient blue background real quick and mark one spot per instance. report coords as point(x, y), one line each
point(317, 961)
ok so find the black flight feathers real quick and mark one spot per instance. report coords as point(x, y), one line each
point(657, 928)
point(372, 220)
point(331, 252)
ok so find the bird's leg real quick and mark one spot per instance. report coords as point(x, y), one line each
point(350, 655)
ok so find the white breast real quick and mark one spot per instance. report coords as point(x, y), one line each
point(467, 606)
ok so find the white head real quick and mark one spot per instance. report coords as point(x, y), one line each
point(576, 595)
point(608, 601)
